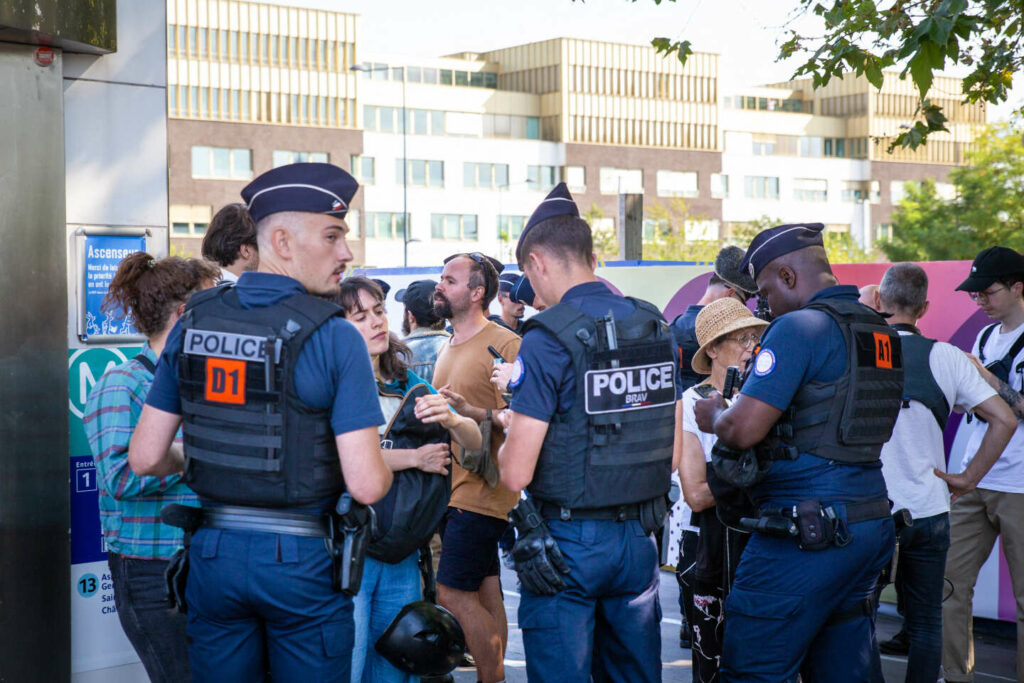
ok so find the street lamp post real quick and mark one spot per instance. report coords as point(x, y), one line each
point(405, 159)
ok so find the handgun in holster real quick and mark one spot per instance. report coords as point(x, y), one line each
point(352, 527)
point(902, 519)
point(188, 519)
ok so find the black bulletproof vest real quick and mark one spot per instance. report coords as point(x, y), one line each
point(849, 419)
point(918, 381)
point(249, 438)
point(411, 511)
point(614, 445)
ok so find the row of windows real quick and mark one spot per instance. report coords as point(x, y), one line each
point(766, 144)
point(435, 122)
point(845, 105)
point(430, 75)
point(791, 105)
point(259, 48)
point(643, 84)
point(443, 226)
point(811, 189)
point(262, 107)
point(905, 106)
point(539, 80)
point(639, 133)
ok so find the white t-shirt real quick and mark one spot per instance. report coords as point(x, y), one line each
point(707, 441)
point(227, 276)
point(1007, 474)
point(916, 444)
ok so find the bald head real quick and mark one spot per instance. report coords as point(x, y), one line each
point(867, 295)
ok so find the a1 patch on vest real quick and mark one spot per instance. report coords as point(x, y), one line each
point(228, 345)
point(617, 390)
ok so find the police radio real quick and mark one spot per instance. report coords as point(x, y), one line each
point(763, 311)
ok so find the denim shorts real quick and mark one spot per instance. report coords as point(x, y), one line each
point(469, 549)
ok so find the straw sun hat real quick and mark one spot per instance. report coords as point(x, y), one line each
point(716, 320)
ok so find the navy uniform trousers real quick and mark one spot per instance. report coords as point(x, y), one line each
point(259, 600)
point(606, 623)
point(782, 598)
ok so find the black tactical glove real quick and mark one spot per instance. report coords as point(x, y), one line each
point(537, 559)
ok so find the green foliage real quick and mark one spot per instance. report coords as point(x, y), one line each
point(988, 208)
point(920, 36)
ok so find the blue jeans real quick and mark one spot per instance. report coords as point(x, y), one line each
point(919, 584)
point(155, 630)
point(257, 599)
point(385, 590)
point(606, 622)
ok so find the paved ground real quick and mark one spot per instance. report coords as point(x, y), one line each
point(995, 655)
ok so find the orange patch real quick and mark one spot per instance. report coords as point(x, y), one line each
point(883, 350)
point(225, 381)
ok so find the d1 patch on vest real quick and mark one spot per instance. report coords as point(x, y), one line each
point(225, 381)
point(228, 345)
point(616, 390)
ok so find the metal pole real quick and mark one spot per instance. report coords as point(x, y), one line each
point(405, 179)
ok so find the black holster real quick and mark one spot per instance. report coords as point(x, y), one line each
point(352, 526)
point(176, 575)
point(653, 514)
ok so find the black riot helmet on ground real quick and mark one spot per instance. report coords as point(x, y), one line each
point(423, 640)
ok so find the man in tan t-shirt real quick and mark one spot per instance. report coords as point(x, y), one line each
point(467, 576)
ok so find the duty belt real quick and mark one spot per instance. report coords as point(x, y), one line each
point(618, 513)
point(855, 512)
point(266, 520)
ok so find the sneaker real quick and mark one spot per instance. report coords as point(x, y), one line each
point(899, 644)
point(467, 661)
point(685, 636)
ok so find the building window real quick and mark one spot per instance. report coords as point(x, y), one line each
point(283, 157)
point(897, 191)
point(883, 231)
point(363, 169)
point(810, 189)
point(485, 176)
point(621, 181)
point(719, 186)
point(541, 178)
point(188, 229)
point(576, 178)
point(221, 163)
point(385, 226)
point(422, 173)
point(854, 191)
point(654, 228)
point(677, 184)
point(510, 227)
point(453, 226)
point(760, 187)
point(835, 147)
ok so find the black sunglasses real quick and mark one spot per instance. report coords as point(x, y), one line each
point(484, 261)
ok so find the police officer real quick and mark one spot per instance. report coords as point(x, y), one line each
point(278, 400)
point(831, 367)
point(591, 440)
point(511, 316)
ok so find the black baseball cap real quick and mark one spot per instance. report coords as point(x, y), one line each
point(990, 265)
point(418, 297)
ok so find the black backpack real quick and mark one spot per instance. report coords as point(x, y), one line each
point(410, 512)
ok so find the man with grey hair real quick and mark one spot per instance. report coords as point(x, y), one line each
point(938, 377)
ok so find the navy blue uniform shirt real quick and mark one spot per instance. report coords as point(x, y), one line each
point(545, 382)
point(800, 347)
point(332, 371)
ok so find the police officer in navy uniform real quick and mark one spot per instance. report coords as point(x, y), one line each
point(822, 397)
point(591, 438)
point(279, 408)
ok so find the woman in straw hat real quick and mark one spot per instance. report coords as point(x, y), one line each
point(727, 333)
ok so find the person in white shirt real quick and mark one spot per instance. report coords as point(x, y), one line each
point(938, 377)
point(996, 507)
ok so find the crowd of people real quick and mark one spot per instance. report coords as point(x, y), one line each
point(290, 490)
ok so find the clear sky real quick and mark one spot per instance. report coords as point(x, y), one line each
point(743, 32)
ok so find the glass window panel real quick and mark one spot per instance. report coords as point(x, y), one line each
point(293, 50)
point(451, 227)
point(245, 106)
point(172, 100)
point(419, 121)
point(171, 33)
point(502, 125)
point(243, 46)
point(204, 102)
point(533, 177)
point(446, 76)
point(476, 79)
point(199, 228)
point(437, 174)
point(547, 177)
point(490, 80)
point(370, 223)
point(303, 46)
point(468, 174)
point(436, 226)
point(469, 227)
point(234, 104)
point(281, 158)
point(369, 117)
point(225, 105)
point(437, 123)
point(202, 43)
point(429, 75)
point(383, 225)
point(396, 73)
point(182, 46)
point(461, 78)
point(532, 128)
point(485, 175)
point(242, 163)
point(414, 74)
point(180, 228)
point(575, 178)
point(501, 175)
point(418, 172)
point(200, 162)
point(221, 162)
point(192, 45)
point(387, 119)
point(400, 171)
point(367, 169)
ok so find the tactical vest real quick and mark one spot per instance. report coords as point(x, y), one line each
point(613, 446)
point(849, 419)
point(411, 511)
point(249, 438)
point(919, 383)
point(685, 338)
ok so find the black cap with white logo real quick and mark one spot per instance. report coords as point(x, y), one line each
point(990, 265)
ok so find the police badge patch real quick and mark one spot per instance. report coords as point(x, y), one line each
point(765, 363)
point(517, 374)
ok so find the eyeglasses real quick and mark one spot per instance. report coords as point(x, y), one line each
point(986, 294)
point(746, 340)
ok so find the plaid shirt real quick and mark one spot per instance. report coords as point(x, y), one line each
point(129, 504)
